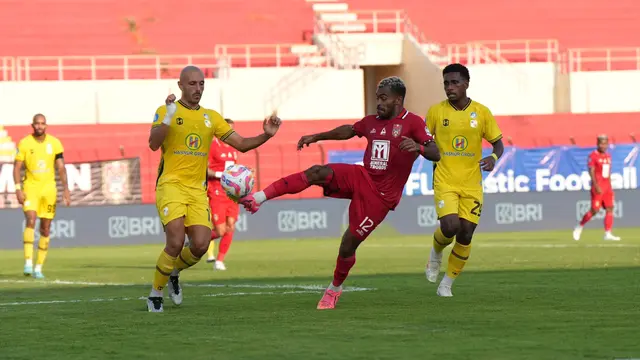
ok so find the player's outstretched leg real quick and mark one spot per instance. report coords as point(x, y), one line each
point(608, 225)
point(165, 264)
point(458, 257)
point(442, 237)
point(346, 260)
point(292, 184)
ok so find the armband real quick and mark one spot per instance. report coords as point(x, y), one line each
point(494, 156)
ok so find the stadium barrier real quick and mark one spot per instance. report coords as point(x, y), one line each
point(110, 182)
point(319, 218)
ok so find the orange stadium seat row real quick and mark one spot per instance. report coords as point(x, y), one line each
point(278, 157)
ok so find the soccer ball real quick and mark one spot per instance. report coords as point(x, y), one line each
point(237, 181)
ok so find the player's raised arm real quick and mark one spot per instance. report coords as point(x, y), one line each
point(242, 144)
point(343, 132)
point(161, 123)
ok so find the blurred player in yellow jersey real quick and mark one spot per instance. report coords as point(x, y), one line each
point(41, 154)
point(184, 131)
point(458, 124)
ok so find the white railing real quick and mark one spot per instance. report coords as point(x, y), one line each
point(602, 59)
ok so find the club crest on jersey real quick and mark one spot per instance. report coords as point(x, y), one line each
point(397, 129)
point(207, 123)
point(474, 115)
point(445, 122)
point(473, 123)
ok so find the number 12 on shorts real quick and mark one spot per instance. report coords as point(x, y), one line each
point(365, 226)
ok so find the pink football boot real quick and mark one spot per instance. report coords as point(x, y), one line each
point(249, 203)
point(329, 299)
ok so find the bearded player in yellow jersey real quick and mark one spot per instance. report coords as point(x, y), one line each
point(458, 124)
point(184, 131)
point(41, 154)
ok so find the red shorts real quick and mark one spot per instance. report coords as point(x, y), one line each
point(222, 208)
point(605, 199)
point(366, 210)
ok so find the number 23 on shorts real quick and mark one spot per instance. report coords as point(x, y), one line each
point(470, 209)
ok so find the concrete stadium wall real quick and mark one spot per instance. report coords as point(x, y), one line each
point(604, 91)
point(296, 219)
point(326, 94)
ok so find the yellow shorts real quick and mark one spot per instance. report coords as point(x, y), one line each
point(174, 201)
point(41, 199)
point(466, 203)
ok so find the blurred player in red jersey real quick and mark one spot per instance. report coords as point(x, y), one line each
point(601, 190)
point(224, 211)
point(395, 138)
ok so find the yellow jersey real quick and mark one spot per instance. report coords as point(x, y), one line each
point(458, 133)
point(185, 150)
point(39, 159)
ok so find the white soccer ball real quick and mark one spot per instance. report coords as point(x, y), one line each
point(237, 181)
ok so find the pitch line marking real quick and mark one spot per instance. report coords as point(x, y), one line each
point(240, 286)
point(516, 245)
point(55, 302)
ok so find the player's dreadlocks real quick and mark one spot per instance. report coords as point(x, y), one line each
point(395, 84)
point(457, 68)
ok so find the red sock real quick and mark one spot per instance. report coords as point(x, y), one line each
point(291, 184)
point(225, 244)
point(586, 218)
point(343, 266)
point(608, 221)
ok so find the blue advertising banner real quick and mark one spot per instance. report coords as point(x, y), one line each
point(561, 168)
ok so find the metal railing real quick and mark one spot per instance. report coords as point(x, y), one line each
point(602, 59)
point(546, 50)
point(258, 55)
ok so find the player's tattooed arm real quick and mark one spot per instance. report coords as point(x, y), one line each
point(62, 171)
point(17, 168)
point(343, 132)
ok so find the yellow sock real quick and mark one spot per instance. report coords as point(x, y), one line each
point(43, 248)
point(457, 259)
point(440, 241)
point(185, 260)
point(210, 250)
point(27, 239)
point(164, 266)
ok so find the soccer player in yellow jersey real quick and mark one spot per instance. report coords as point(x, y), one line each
point(41, 154)
point(458, 124)
point(184, 131)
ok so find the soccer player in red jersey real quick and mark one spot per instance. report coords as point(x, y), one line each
point(395, 138)
point(224, 211)
point(601, 190)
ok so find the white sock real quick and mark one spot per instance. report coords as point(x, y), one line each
point(38, 268)
point(155, 293)
point(260, 197)
point(335, 288)
point(435, 254)
point(28, 263)
point(446, 281)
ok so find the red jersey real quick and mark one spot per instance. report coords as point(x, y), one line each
point(388, 166)
point(601, 163)
point(221, 156)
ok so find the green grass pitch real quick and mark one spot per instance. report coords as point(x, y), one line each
point(533, 295)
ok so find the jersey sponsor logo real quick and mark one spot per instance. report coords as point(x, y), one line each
point(380, 154)
point(460, 143)
point(193, 142)
point(397, 129)
point(510, 213)
point(427, 216)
